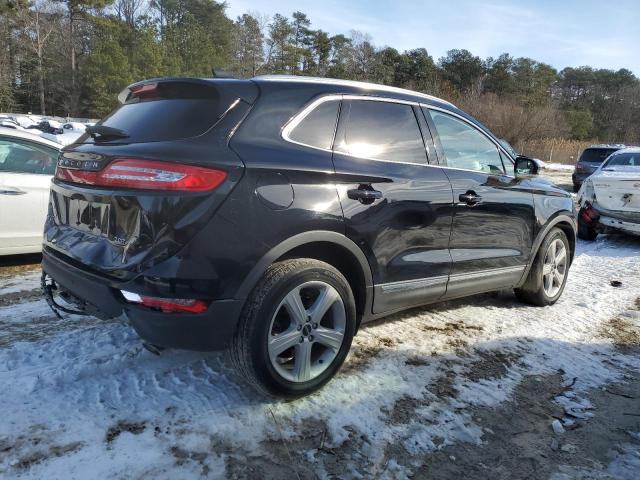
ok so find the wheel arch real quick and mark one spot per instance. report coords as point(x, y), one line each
point(566, 222)
point(330, 247)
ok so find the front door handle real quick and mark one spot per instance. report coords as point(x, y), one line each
point(11, 191)
point(365, 194)
point(470, 198)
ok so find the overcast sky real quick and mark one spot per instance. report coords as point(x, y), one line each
point(603, 34)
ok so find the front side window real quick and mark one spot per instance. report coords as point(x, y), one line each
point(380, 131)
point(466, 147)
point(23, 157)
point(317, 128)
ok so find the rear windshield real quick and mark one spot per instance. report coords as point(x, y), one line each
point(170, 111)
point(624, 160)
point(596, 155)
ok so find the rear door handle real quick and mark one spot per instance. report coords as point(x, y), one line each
point(11, 191)
point(470, 198)
point(365, 194)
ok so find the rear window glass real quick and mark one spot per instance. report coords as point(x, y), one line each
point(596, 155)
point(624, 160)
point(317, 128)
point(170, 111)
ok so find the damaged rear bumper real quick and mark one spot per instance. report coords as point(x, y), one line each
point(628, 222)
point(618, 224)
point(210, 330)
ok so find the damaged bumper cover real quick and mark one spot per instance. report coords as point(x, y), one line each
point(212, 329)
point(628, 222)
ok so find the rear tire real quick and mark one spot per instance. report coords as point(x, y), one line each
point(296, 328)
point(586, 231)
point(548, 275)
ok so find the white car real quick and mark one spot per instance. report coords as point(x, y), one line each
point(27, 163)
point(610, 197)
point(67, 133)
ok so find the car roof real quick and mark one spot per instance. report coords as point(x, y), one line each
point(24, 135)
point(354, 86)
point(627, 150)
point(607, 145)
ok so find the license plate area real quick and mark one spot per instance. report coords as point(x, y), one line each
point(89, 217)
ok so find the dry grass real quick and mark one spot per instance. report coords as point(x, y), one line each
point(556, 150)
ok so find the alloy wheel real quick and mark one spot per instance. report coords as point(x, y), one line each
point(554, 268)
point(306, 331)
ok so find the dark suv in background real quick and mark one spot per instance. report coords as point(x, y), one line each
point(275, 215)
point(590, 159)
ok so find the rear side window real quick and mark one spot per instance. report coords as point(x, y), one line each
point(25, 157)
point(316, 129)
point(596, 155)
point(466, 147)
point(380, 131)
point(168, 111)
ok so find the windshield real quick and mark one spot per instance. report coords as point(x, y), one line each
point(623, 160)
point(596, 155)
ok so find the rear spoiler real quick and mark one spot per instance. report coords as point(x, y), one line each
point(245, 90)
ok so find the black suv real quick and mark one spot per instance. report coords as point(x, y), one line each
point(590, 159)
point(275, 215)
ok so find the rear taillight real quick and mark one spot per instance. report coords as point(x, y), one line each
point(588, 213)
point(581, 167)
point(148, 175)
point(167, 305)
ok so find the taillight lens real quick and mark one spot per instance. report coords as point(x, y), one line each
point(581, 167)
point(147, 175)
point(588, 213)
point(167, 305)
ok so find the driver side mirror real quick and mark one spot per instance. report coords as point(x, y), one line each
point(526, 166)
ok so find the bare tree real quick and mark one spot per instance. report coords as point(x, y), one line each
point(39, 21)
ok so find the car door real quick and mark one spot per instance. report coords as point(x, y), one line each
point(397, 208)
point(493, 221)
point(25, 174)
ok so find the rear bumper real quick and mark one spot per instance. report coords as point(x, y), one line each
point(578, 178)
point(210, 330)
point(616, 223)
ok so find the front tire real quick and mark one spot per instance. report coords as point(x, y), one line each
point(548, 275)
point(296, 328)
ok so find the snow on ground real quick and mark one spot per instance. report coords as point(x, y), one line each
point(556, 166)
point(82, 399)
point(20, 283)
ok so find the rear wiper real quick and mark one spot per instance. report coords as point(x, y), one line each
point(97, 132)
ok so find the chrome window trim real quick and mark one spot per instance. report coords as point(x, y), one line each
point(297, 118)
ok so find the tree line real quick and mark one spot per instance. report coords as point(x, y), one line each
point(72, 57)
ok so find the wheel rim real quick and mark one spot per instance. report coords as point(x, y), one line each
point(554, 269)
point(306, 331)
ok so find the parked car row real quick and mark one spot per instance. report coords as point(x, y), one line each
point(273, 216)
point(62, 133)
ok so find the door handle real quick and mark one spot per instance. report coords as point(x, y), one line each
point(470, 198)
point(11, 191)
point(365, 194)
